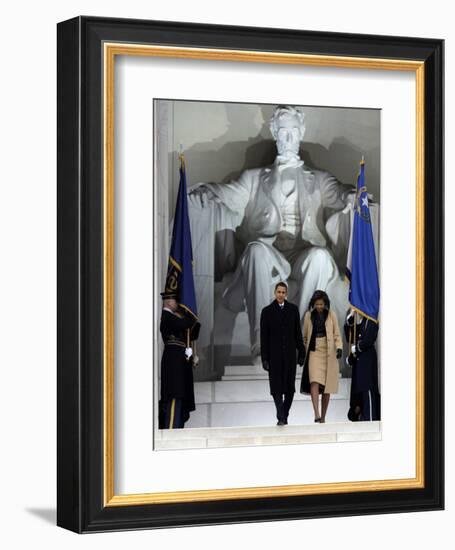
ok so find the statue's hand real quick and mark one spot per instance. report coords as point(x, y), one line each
point(350, 199)
point(201, 196)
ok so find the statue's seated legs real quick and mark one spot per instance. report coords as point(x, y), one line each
point(260, 267)
point(315, 269)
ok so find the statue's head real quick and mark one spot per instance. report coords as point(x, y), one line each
point(288, 128)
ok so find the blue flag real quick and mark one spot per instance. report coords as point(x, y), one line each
point(361, 269)
point(179, 277)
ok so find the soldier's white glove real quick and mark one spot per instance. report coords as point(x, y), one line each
point(353, 349)
point(188, 352)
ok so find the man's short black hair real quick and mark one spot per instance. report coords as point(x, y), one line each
point(281, 284)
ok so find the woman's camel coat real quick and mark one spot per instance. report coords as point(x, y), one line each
point(334, 342)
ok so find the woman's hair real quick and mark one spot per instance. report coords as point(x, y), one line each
point(319, 295)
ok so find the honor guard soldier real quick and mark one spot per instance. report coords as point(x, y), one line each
point(365, 399)
point(178, 328)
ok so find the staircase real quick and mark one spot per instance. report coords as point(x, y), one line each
point(242, 398)
point(239, 411)
point(212, 438)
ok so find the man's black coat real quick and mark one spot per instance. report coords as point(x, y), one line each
point(281, 341)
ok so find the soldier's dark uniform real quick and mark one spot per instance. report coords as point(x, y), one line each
point(365, 400)
point(177, 388)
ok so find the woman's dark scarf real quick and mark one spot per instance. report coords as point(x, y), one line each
point(314, 313)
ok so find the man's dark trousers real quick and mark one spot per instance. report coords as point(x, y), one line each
point(283, 406)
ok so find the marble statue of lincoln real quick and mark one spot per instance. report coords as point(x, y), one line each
point(282, 212)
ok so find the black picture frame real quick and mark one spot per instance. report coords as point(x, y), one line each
point(81, 472)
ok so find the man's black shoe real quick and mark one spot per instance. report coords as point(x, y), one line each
point(280, 423)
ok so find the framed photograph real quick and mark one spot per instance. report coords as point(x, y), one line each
point(233, 406)
point(247, 158)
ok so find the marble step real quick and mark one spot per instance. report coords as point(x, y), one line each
point(200, 438)
point(250, 372)
point(261, 413)
point(345, 427)
point(240, 391)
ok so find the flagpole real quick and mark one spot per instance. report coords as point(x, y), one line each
point(182, 165)
point(180, 268)
point(355, 323)
point(188, 341)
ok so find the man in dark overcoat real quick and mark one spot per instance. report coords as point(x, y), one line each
point(365, 401)
point(178, 328)
point(281, 348)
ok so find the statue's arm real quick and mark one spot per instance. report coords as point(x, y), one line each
point(337, 200)
point(338, 195)
point(216, 210)
point(335, 195)
point(233, 195)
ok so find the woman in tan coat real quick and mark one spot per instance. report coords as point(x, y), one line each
point(323, 346)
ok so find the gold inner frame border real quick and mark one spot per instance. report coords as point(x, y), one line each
point(110, 51)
